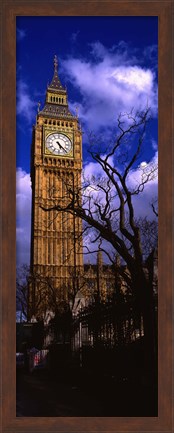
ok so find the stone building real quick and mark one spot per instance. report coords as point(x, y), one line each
point(56, 160)
point(58, 271)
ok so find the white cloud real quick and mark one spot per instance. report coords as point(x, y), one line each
point(92, 169)
point(109, 85)
point(25, 105)
point(23, 216)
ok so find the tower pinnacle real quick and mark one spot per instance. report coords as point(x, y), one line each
point(56, 102)
point(55, 63)
point(55, 83)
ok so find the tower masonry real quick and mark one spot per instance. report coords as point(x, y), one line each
point(56, 162)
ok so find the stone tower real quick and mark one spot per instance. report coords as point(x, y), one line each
point(56, 163)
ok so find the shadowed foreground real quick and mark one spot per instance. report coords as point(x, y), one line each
point(80, 393)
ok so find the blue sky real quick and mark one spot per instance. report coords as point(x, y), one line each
point(109, 65)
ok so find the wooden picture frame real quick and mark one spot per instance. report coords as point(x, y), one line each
point(11, 9)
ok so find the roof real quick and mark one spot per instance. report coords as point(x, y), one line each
point(56, 110)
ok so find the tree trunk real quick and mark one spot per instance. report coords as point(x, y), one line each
point(144, 305)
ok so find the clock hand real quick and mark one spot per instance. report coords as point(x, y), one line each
point(61, 146)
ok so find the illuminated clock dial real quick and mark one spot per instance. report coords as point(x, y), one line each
point(58, 144)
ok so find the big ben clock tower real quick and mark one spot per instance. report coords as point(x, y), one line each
point(56, 161)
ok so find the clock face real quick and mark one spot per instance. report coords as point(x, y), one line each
point(58, 144)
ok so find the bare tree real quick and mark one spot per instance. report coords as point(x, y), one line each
point(154, 205)
point(44, 296)
point(46, 299)
point(106, 203)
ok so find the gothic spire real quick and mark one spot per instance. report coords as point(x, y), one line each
point(55, 83)
point(55, 63)
point(56, 102)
